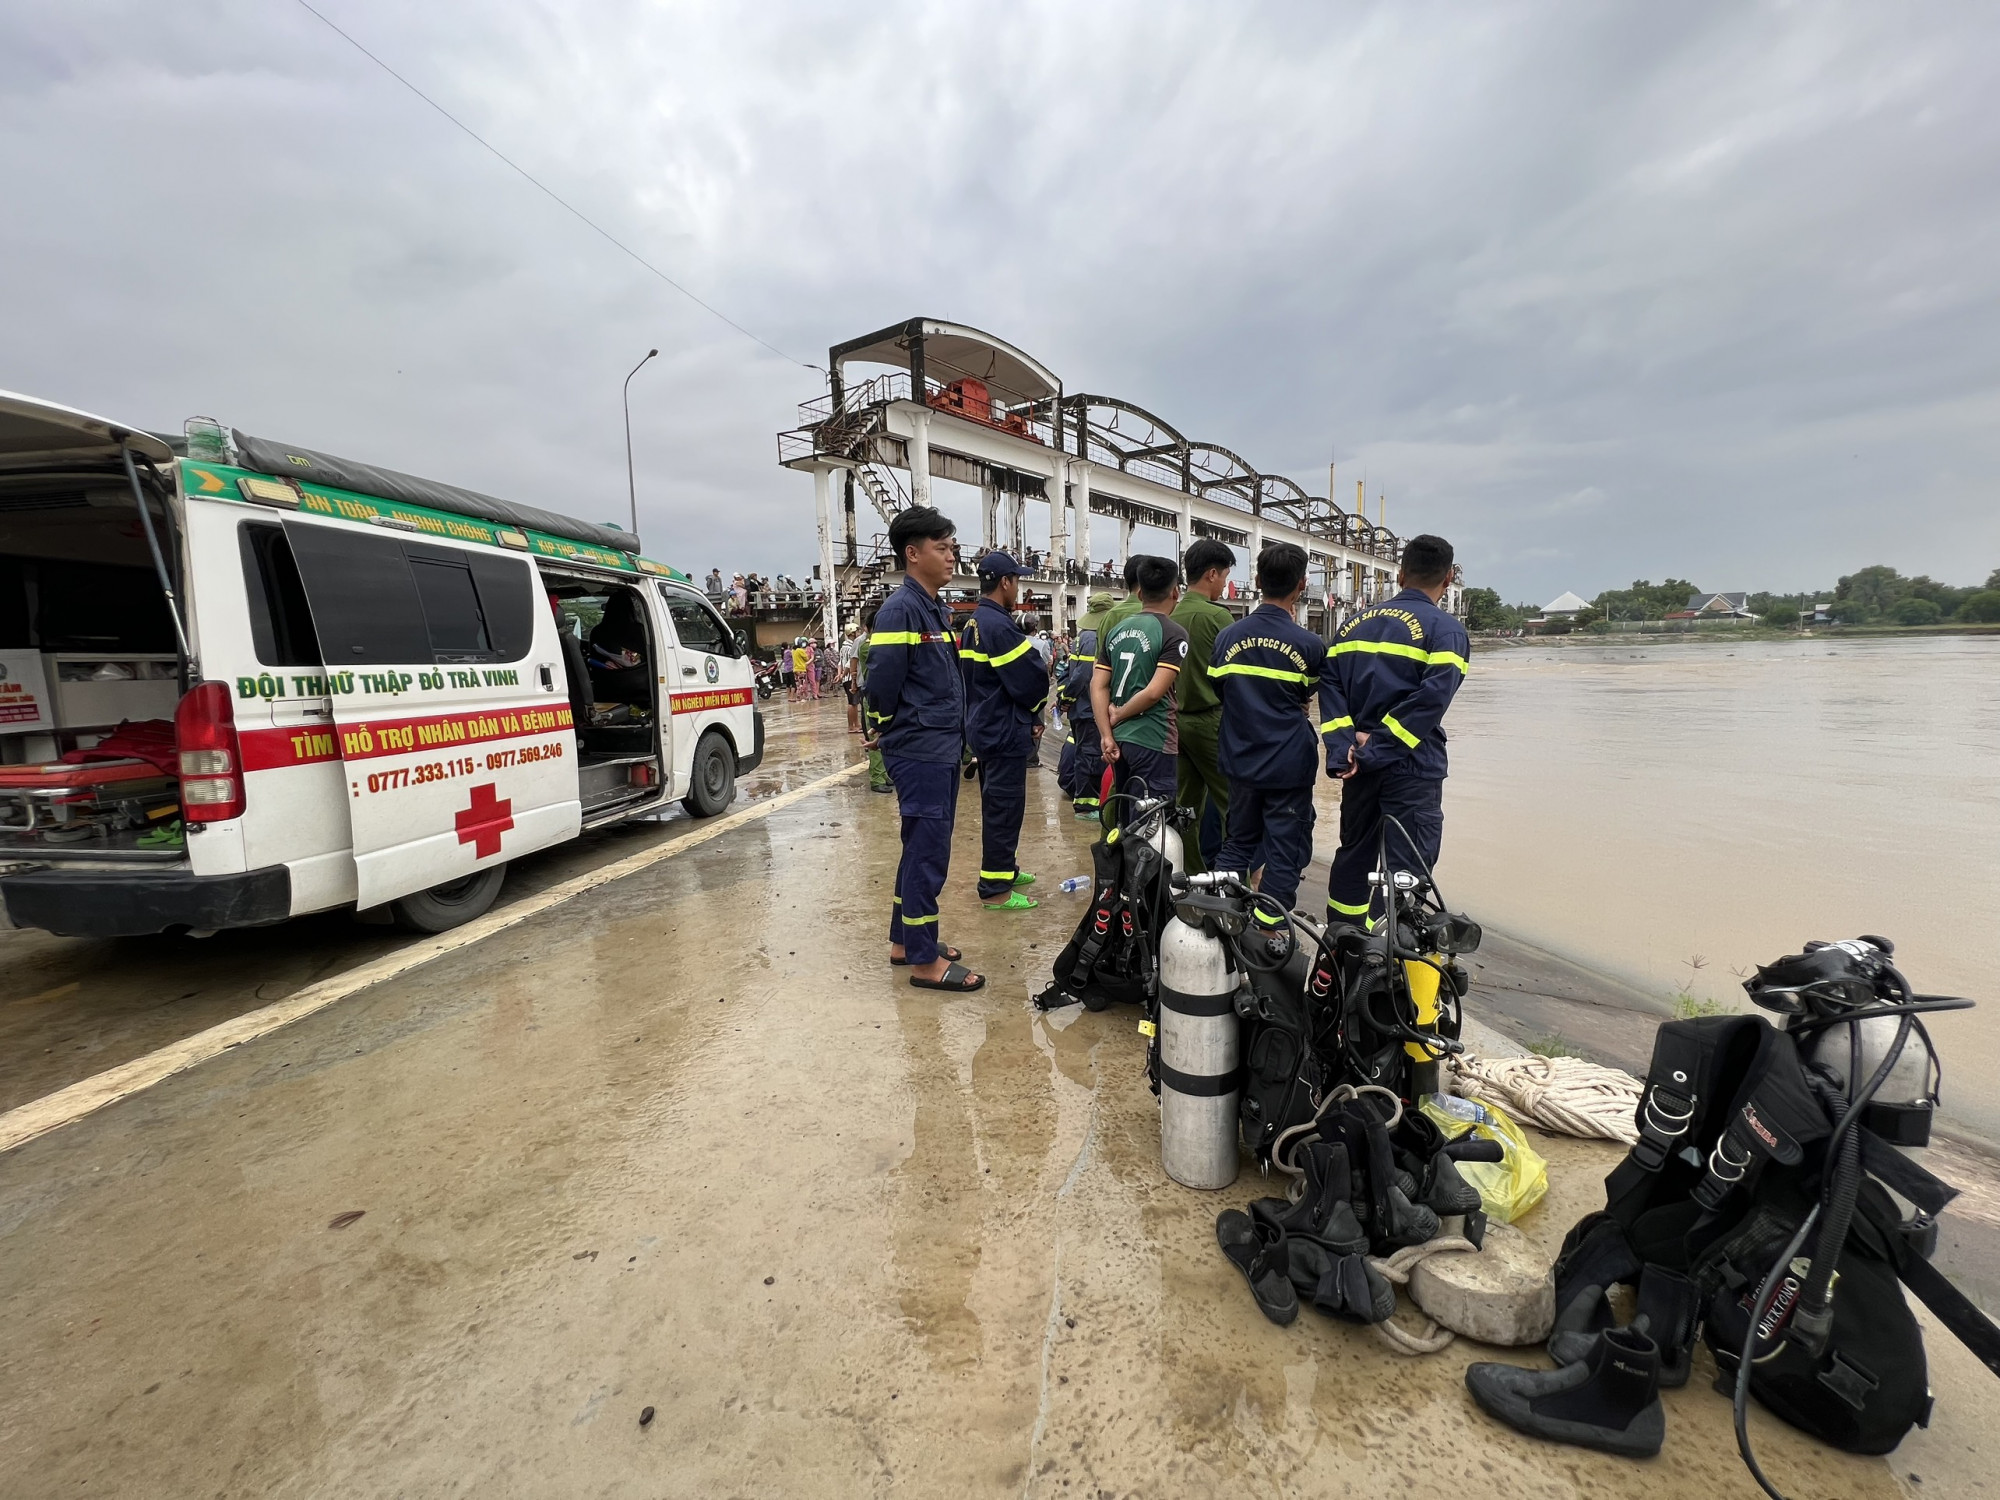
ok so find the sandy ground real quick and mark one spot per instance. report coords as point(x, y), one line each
point(689, 1143)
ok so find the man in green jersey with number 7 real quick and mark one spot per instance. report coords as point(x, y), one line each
point(1132, 690)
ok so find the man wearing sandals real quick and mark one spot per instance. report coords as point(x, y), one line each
point(916, 708)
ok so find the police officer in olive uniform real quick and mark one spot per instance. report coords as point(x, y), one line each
point(1006, 689)
point(1266, 668)
point(916, 708)
point(1390, 676)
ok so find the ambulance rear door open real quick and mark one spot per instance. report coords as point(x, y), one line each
point(449, 710)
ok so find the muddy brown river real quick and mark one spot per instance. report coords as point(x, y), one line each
point(1677, 812)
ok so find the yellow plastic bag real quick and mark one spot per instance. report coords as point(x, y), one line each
point(1509, 1187)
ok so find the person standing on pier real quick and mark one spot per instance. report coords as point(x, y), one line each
point(1267, 666)
point(916, 708)
point(1132, 689)
point(1198, 783)
point(1086, 768)
point(1390, 676)
point(1006, 688)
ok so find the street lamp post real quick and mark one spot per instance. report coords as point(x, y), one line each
point(632, 484)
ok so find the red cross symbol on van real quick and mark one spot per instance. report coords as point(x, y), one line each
point(481, 824)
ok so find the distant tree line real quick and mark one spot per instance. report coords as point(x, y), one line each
point(1876, 595)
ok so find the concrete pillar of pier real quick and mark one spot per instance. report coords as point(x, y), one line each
point(989, 514)
point(1184, 533)
point(1059, 532)
point(1079, 494)
point(823, 505)
point(1125, 528)
point(920, 457)
point(847, 512)
point(1017, 524)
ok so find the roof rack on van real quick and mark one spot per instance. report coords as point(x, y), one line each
point(369, 479)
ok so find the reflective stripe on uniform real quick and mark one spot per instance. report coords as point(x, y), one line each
point(893, 638)
point(998, 874)
point(1348, 911)
point(1021, 650)
point(1343, 722)
point(1389, 723)
point(1393, 648)
point(920, 921)
point(1265, 919)
point(1276, 674)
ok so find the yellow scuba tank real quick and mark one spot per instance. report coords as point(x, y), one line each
point(1423, 981)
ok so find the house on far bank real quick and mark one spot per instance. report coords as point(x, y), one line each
point(1561, 611)
point(1714, 607)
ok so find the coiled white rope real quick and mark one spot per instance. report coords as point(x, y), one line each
point(1567, 1095)
point(1397, 1268)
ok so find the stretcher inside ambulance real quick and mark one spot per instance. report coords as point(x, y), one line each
point(241, 681)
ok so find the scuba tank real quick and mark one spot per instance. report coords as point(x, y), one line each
point(1200, 1043)
point(1396, 986)
point(1213, 981)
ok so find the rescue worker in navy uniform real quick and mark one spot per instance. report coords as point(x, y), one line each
point(1086, 773)
point(1006, 689)
point(1390, 676)
point(1266, 667)
point(916, 708)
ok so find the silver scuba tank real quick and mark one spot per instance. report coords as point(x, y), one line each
point(1168, 841)
point(1201, 1043)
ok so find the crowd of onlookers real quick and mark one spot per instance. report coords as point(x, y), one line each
point(745, 592)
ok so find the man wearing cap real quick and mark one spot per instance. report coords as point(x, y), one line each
point(1006, 688)
point(916, 708)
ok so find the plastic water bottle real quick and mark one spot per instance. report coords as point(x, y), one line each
point(1074, 884)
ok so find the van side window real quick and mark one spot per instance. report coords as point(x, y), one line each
point(698, 627)
point(365, 605)
point(281, 625)
point(508, 599)
point(451, 609)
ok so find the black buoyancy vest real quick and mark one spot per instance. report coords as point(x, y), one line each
point(1732, 1156)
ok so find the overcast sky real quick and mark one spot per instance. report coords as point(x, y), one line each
point(1597, 291)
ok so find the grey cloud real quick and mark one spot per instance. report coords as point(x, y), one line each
point(1728, 269)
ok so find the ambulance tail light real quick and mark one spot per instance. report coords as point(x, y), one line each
point(211, 762)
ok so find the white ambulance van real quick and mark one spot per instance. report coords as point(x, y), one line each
point(240, 681)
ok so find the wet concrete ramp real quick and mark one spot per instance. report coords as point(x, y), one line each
point(692, 1145)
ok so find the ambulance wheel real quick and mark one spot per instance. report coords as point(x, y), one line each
point(714, 785)
point(451, 904)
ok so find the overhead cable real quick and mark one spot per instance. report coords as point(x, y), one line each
point(548, 191)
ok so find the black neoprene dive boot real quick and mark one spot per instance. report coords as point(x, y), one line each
point(1609, 1401)
point(1260, 1251)
point(1578, 1325)
point(1323, 1212)
point(1341, 1286)
point(1667, 1314)
point(1431, 1161)
point(1394, 1222)
point(1670, 1311)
